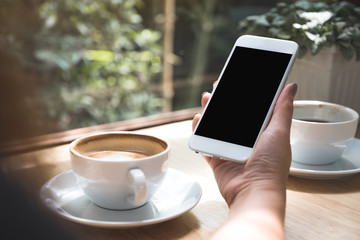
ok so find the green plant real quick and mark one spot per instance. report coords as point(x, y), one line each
point(101, 60)
point(312, 24)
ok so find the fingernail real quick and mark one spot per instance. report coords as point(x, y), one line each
point(196, 115)
point(203, 93)
point(294, 88)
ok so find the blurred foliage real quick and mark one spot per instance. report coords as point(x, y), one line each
point(202, 58)
point(74, 63)
point(313, 24)
point(101, 60)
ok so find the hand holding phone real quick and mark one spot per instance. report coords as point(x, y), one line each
point(242, 102)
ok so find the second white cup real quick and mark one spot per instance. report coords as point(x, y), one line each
point(321, 131)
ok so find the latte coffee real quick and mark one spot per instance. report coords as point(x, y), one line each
point(119, 170)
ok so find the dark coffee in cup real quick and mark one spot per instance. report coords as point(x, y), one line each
point(314, 120)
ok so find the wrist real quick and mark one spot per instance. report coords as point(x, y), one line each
point(254, 184)
point(261, 196)
point(256, 214)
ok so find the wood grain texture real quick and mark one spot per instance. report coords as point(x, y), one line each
point(316, 209)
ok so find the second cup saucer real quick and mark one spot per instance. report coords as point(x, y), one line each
point(177, 195)
point(348, 164)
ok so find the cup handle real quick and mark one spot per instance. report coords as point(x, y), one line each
point(138, 178)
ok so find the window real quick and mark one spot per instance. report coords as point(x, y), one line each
point(69, 64)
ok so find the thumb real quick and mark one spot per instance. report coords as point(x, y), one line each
point(283, 109)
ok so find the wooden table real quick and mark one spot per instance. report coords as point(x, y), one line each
point(316, 209)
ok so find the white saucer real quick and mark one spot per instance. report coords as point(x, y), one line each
point(177, 195)
point(348, 164)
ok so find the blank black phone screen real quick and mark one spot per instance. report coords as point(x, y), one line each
point(244, 94)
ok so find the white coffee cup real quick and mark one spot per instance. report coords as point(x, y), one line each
point(321, 131)
point(119, 170)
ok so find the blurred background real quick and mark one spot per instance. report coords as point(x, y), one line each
point(77, 63)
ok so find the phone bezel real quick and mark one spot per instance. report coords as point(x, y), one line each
point(229, 151)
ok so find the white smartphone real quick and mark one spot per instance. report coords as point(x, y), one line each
point(241, 103)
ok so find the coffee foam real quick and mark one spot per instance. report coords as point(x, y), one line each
point(125, 142)
point(117, 155)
